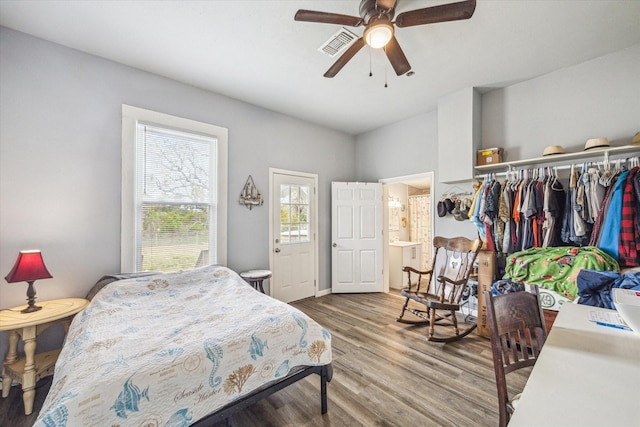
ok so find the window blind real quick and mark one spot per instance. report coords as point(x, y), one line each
point(176, 199)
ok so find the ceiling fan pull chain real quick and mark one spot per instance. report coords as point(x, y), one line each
point(385, 68)
point(370, 68)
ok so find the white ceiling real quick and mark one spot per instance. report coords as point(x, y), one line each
point(254, 50)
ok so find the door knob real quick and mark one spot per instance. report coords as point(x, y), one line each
point(335, 245)
point(277, 250)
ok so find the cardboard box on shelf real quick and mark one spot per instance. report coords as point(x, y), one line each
point(489, 156)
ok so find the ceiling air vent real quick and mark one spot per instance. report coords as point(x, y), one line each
point(338, 42)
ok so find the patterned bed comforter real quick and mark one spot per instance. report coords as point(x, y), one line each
point(557, 268)
point(167, 350)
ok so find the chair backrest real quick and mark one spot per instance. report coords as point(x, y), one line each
point(517, 328)
point(452, 265)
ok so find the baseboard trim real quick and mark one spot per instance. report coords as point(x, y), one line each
point(323, 292)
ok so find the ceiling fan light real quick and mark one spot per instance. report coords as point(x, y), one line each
point(378, 35)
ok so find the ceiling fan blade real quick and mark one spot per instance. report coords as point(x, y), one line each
point(386, 4)
point(327, 18)
point(396, 57)
point(346, 56)
point(441, 13)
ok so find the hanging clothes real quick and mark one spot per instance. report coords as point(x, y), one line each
point(492, 202)
point(567, 220)
point(549, 220)
point(596, 193)
point(597, 228)
point(584, 195)
point(553, 207)
point(556, 209)
point(504, 226)
point(636, 193)
point(517, 217)
point(539, 215)
point(474, 212)
point(531, 208)
point(611, 226)
point(581, 229)
point(629, 242)
point(484, 219)
point(575, 231)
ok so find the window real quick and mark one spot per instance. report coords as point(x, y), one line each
point(294, 213)
point(174, 179)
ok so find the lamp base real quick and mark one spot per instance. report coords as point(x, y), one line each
point(31, 299)
point(31, 309)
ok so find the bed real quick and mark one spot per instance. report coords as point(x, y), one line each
point(178, 349)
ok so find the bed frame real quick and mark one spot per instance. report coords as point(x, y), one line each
point(225, 413)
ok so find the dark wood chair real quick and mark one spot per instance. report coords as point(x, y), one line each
point(517, 328)
point(436, 300)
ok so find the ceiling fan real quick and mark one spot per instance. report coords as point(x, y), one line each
point(379, 32)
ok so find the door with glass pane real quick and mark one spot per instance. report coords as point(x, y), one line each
point(293, 231)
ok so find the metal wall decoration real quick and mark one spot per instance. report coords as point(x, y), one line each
point(250, 195)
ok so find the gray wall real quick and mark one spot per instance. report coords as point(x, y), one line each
point(406, 148)
point(597, 98)
point(403, 148)
point(60, 172)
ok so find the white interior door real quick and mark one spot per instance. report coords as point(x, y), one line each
point(356, 232)
point(293, 235)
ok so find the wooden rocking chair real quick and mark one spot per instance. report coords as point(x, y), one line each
point(441, 292)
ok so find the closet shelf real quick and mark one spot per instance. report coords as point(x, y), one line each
point(556, 158)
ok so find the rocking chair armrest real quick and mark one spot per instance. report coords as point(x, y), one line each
point(453, 282)
point(408, 269)
point(436, 305)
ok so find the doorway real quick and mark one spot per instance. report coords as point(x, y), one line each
point(408, 224)
point(292, 234)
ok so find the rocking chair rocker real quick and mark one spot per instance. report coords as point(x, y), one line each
point(441, 292)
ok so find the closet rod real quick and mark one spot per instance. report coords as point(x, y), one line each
point(557, 168)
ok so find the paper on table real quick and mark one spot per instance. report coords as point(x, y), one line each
point(611, 319)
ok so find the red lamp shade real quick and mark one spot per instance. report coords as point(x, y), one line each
point(29, 266)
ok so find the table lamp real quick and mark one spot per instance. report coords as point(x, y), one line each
point(29, 267)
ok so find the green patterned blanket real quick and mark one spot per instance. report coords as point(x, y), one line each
point(557, 268)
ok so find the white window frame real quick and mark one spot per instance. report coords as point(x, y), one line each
point(131, 116)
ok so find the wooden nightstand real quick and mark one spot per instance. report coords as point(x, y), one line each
point(28, 370)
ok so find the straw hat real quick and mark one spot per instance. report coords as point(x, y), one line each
point(596, 143)
point(553, 149)
point(636, 138)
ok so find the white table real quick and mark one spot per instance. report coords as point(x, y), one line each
point(586, 375)
point(29, 369)
point(256, 277)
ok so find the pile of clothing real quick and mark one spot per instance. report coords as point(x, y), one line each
point(594, 287)
point(557, 268)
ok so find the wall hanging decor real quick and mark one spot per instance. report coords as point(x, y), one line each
point(250, 195)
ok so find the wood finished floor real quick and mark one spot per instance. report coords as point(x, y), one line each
point(385, 374)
